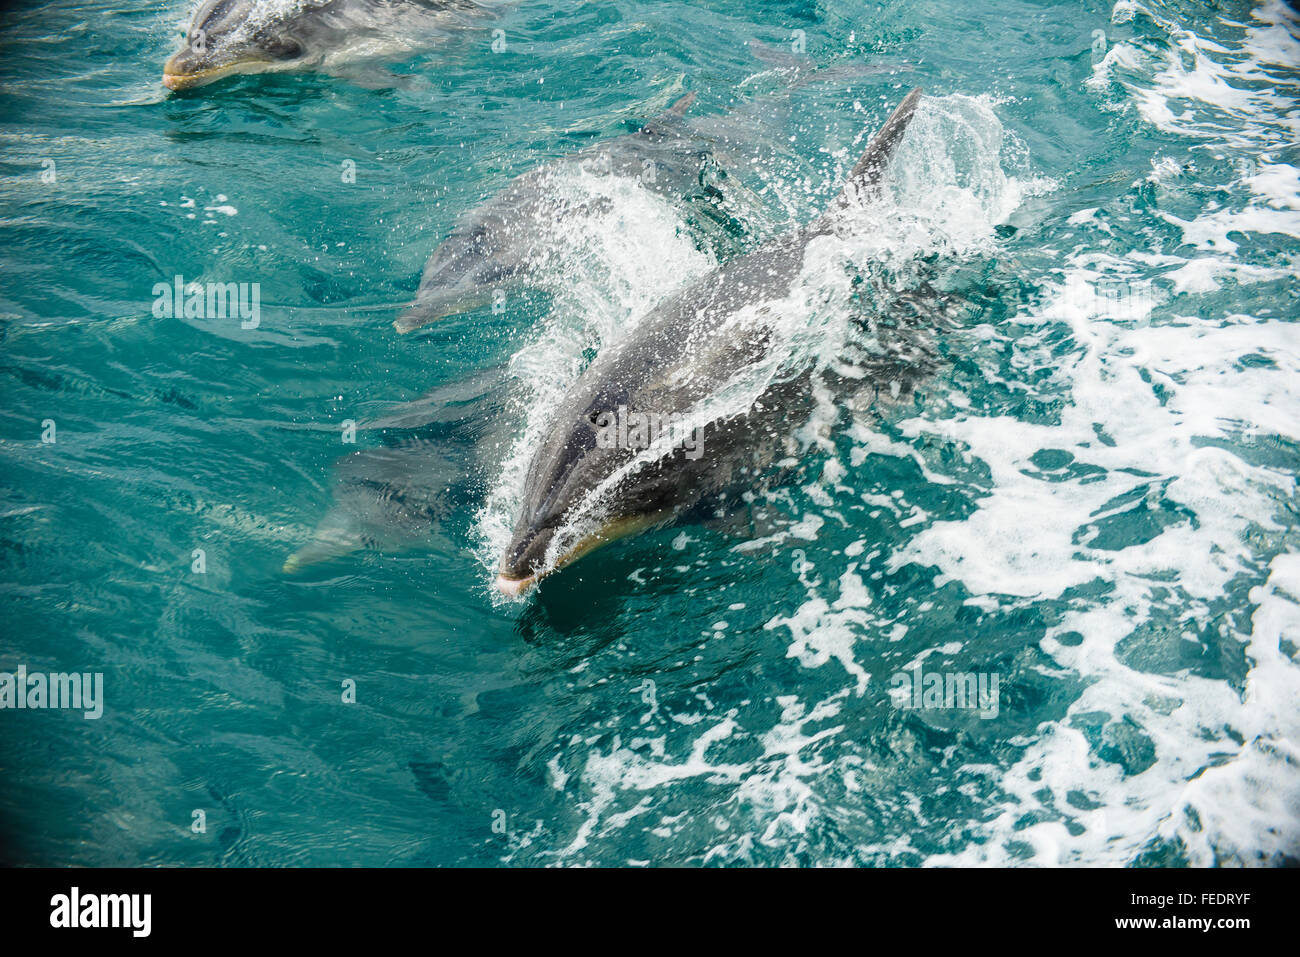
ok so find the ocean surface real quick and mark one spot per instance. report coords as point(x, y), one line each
point(1085, 492)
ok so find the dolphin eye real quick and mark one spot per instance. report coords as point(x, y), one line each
point(601, 420)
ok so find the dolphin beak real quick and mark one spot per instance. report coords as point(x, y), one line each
point(182, 81)
point(332, 540)
point(622, 528)
point(185, 81)
point(521, 566)
point(180, 75)
point(411, 320)
point(441, 305)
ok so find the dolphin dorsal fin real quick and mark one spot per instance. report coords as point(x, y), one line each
point(681, 106)
point(863, 181)
point(661, 125)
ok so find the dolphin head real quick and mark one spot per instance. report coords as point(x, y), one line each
point(233, 36)
point(479, 257)
point(339, 533)
point(620, 456)
point(627, 450)
point(591, 482)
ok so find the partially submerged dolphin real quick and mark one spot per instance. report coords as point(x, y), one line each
point(503, 243)
point(227, 37)
point(387, 498)
point(695, 163)
point(593, 479)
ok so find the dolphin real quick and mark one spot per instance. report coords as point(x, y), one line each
point(387, 498)
point(228, 37)
point(585, 486)
point(696, 163)
point(404, 494)
point(503, 243)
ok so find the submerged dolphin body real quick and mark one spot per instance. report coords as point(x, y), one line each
point(403, 495)
point(583, 490)
point(228, 37)
point(504, 242)
point(386, 498)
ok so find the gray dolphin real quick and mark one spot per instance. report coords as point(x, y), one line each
point(696, 163)
point(503, 242)
point(259, 36)
point(585, 487)
point(388, 498)
point(402, 495)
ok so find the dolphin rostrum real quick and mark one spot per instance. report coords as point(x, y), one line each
point(227, 37)
point(600, 473)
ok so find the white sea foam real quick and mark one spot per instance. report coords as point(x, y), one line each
point(1240, 93)
point(1221, 785)
point(1168, 411)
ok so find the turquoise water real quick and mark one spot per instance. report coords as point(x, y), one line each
point(1089, 495)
